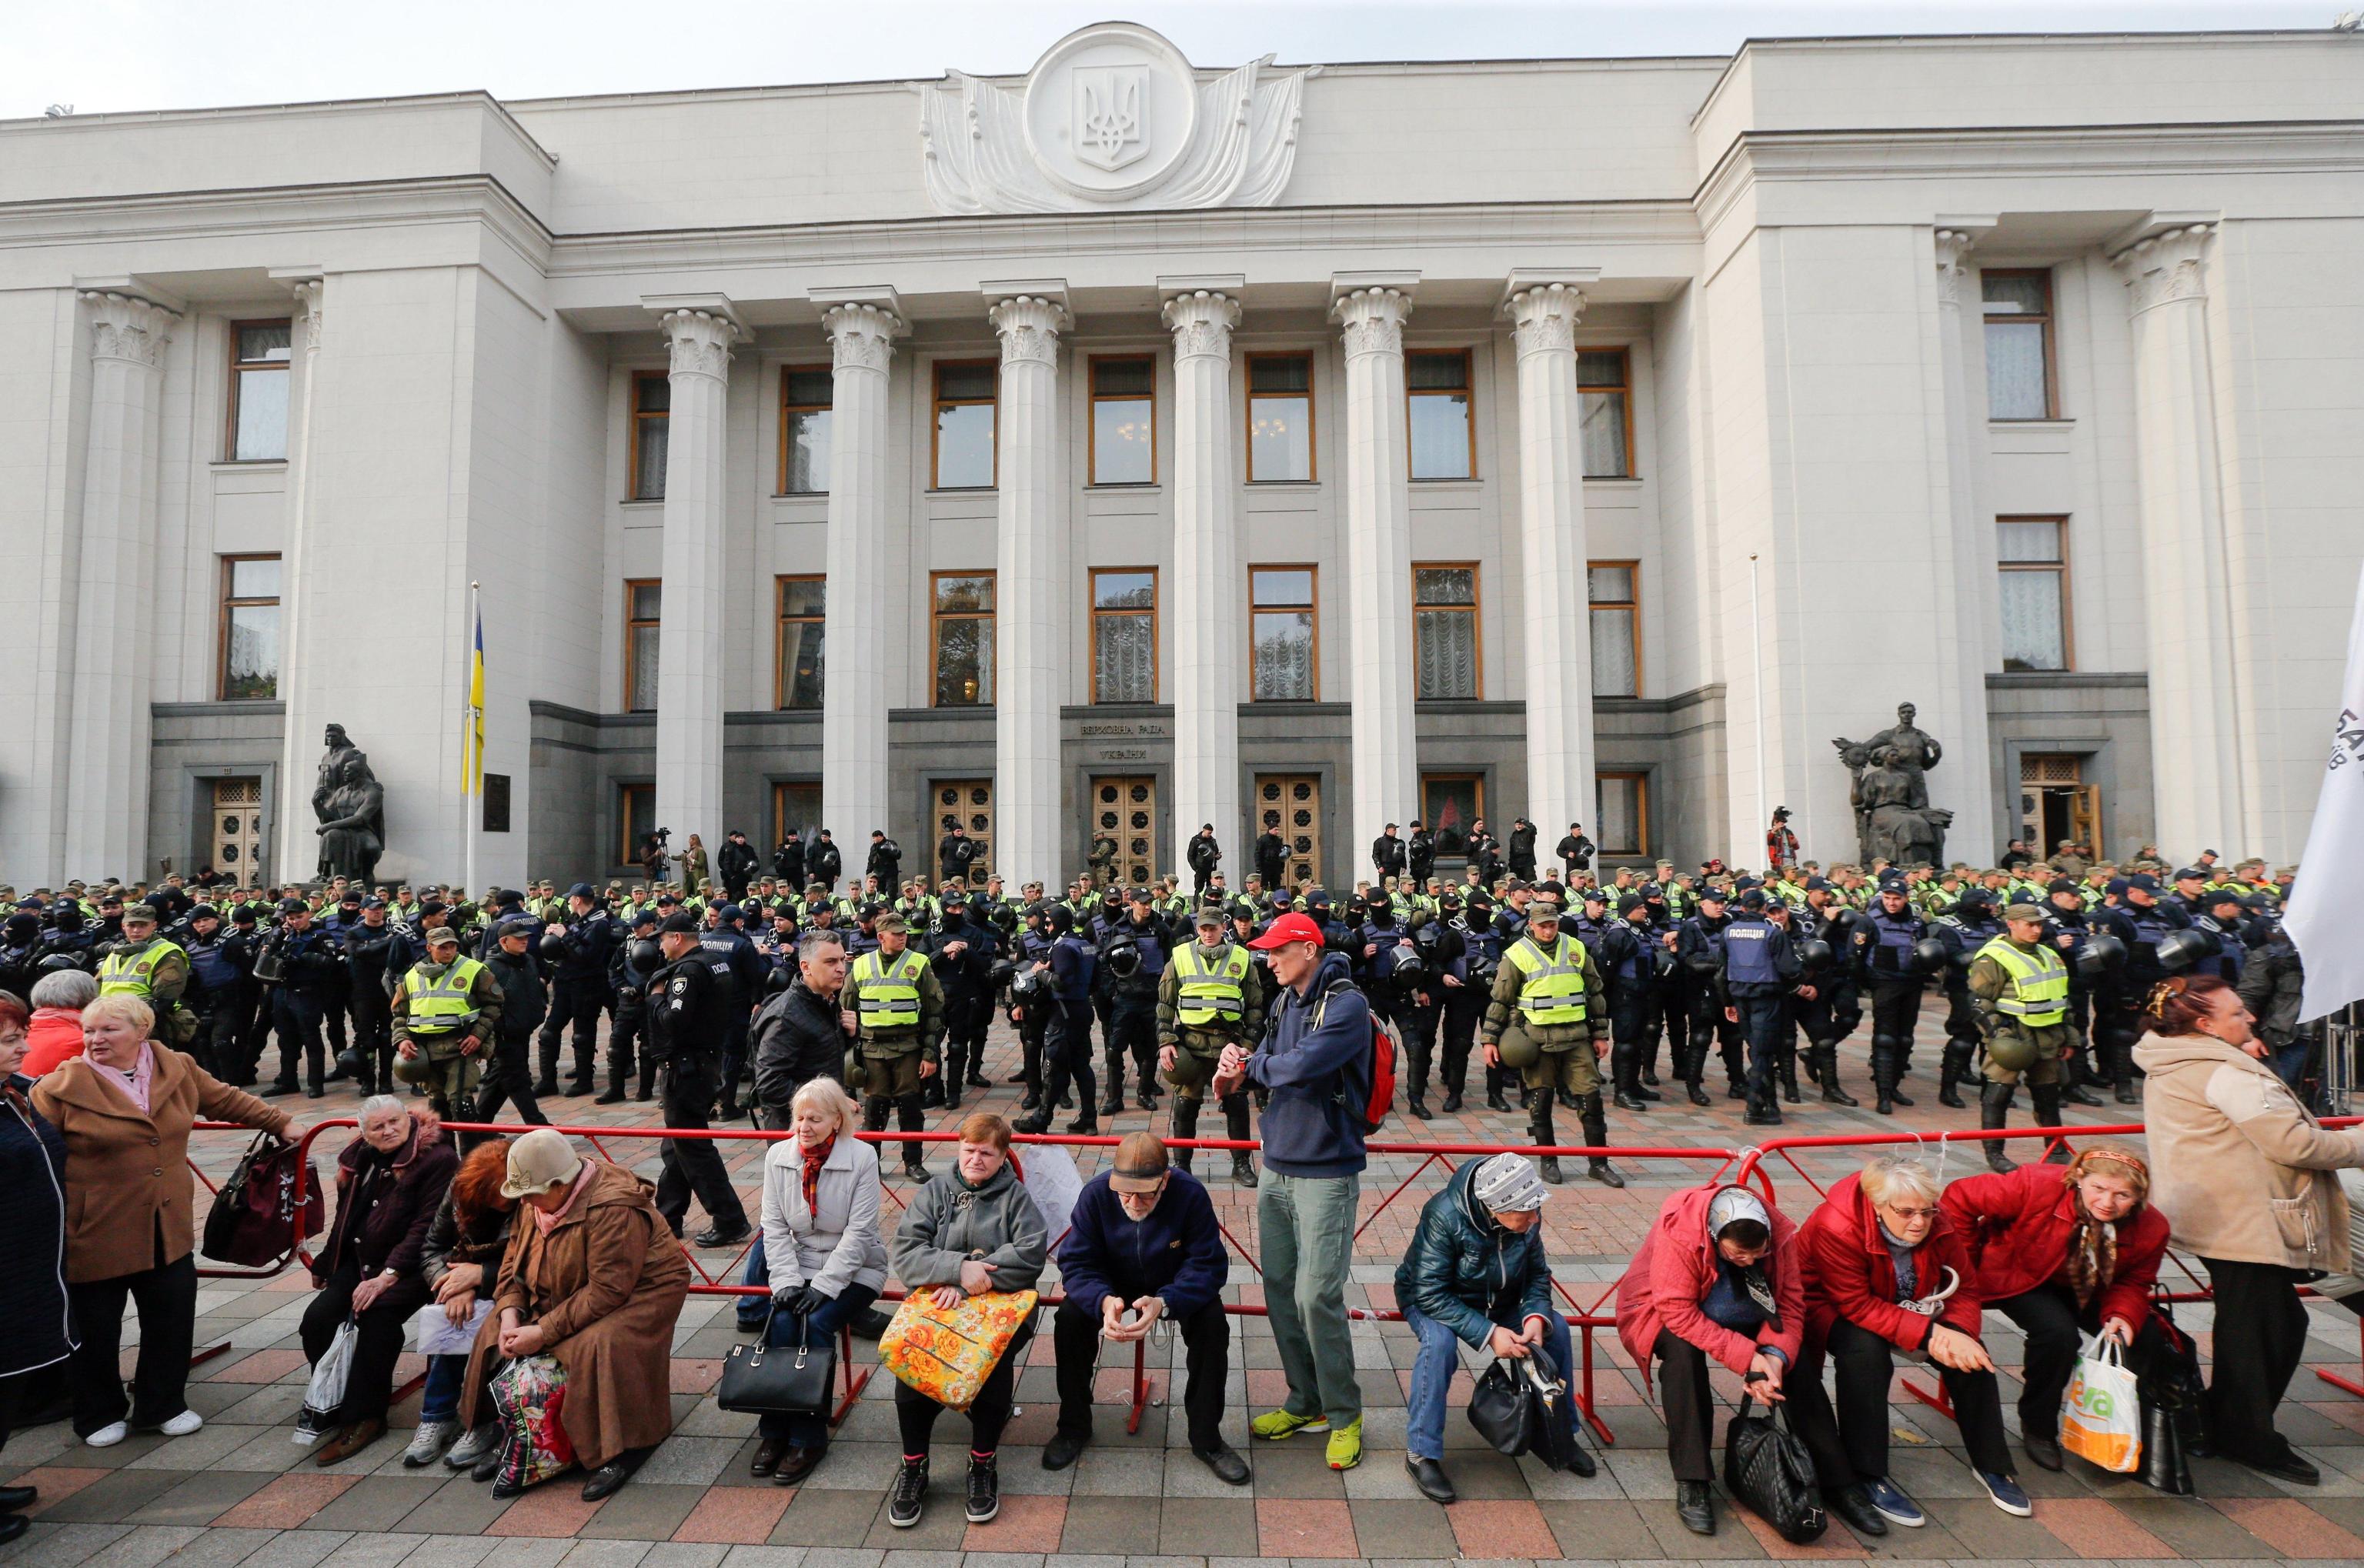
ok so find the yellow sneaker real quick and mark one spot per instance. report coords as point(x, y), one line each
point(1346, 1445)
point(1274, 1425)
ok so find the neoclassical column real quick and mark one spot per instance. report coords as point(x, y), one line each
point(1028, 680)
point(1208, 591)
point(296, 844)
point(1969, 618)
point(1553, 555)
point(106, 798)
point(853, 785)
point(690, 645)
point(2187, 610)
point(1378, 559)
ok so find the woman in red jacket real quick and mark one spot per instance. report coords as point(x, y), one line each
point(2056, 1251)
point(1717, 1276)
point(1886, 1271)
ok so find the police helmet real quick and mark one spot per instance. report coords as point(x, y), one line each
point(2013, 1050)
point(1518, 1049)
point(647, 956)
point(1025, 985)
point(413, 1069)
point(1929, 955)
point(2101, 953)
point(1124, 959)
point(2181, 949)
point(1403, 964)
point(1813, 954)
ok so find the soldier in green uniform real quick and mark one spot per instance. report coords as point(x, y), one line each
point(2019, 991)
point(445, 1010)
point(1548, 1018)
point(1210, 995)
point(145, 965)
point(898, 1014)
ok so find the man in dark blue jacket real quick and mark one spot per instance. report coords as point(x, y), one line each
point(578, 949)
point(1144, 1245)
point(1475, 1274)
point(1315, 1063)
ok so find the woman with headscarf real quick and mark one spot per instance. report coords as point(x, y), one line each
point(1716, 1278)
point(33, 1216)
point(2061, 1253)
point(593, 1277)
point(2245, 1175)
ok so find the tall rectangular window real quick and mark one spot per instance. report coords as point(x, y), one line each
point(1613, 587)
point(1604, 381)
point(249, 628)
point(1444, 436)
point(636, 818)
point(800, 674)
point(1124, 634)
point(1444, 631)
point(651, 410)
point(1621, 814)
point(964, 445)
point(259, 356)
point(1124, 420)
point(963, 638)
point(643, 598)
point(805, 393)
point(1280, 417)
point(1282, 628)
point(2020, 383)
point(2034, 555)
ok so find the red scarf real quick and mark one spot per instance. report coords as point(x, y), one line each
point(815, 1157)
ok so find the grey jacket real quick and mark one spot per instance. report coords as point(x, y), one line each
point(836, 1246)
point(948, 1224)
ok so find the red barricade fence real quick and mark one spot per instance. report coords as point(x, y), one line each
point(1747, 1166)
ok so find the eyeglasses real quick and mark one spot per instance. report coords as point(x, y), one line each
point(1908, 1215)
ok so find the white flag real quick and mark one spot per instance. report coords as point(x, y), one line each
point(2321, 917)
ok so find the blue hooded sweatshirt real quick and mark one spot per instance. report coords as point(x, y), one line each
point(1320, 1078)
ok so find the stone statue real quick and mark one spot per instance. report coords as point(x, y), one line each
point(1893, 818)
point(351, 805)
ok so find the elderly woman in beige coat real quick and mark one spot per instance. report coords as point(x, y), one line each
point(2243, 1175)
point(594, 1277)
point(126, 1107)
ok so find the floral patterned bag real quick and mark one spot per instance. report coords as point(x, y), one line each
point(947, 1355)
point(530, 1394)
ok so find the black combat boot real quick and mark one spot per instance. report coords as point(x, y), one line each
point(912, 1116)
point(1955, 1069)
point(1596, 1132)
point(2047, 1113)
point(1235, 1127)
point(1827, 1058)
point(1185, 1125)
point(874, 1119)
point(1539, 1128)
point(1624, 1083)
point(1883, 1077)
point(1994, 1113)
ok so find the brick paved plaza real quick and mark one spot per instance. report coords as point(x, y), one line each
point(240, 1491)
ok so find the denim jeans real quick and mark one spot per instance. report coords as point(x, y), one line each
point(1306, 1226)
point(1440, 1358)
point(439, 1401)
point(811, 1431)
point(753, 1309)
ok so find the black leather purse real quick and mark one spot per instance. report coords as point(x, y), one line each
point(1514, 1407)
point(780, 1379)
point(1768, 1468)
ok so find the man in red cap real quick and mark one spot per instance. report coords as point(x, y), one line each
point(1315, 1063)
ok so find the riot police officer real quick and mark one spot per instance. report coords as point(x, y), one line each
point(689, 1016)
point(300, 964)
point(2019, 984)
point(1210, 995)
point(1892, 954)
point(369, 948)
point(1754, 980)
point(1626, 952)
point(1698, 948)
point(579, 948)
point(1029, 996)
point(741, 970)
point(1133, 955)
point(2069, 929)
point(898, 1009)
point(962, 953)
point(631, 970)
point(2141, 922)
point(1825, 945)
point(1547, 1017)
point(1426, 996)
point(1067, 1045)
point(1464, 1001)
point(1969, 927)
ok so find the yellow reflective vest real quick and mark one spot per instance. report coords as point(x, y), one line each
point(1202, 994)
point(131, 974)
point(434, 1006)
point(2038, 996)
point(886, 996)
point(1551, 984)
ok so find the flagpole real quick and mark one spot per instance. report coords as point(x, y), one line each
point(470, 809)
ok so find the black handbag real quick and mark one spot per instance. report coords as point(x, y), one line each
point(1768, 1468)
point(253, 1221)
point(2171, 1396)
point(1515, 1407)
point(780, 1379)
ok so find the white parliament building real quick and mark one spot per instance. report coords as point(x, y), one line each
point(1142, 442)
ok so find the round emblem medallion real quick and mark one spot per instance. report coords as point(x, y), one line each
point(1109, 109)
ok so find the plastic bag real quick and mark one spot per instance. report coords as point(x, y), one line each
point(2100, 1414)
point(438, 1337)
point(529, 1395)
point(947, 1355)
point(327, 1392)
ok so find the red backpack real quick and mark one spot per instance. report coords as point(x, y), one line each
point(1386, 1045)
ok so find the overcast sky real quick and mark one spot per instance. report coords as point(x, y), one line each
point(106, 55)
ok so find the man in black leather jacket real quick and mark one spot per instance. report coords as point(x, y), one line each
point(799, 1034)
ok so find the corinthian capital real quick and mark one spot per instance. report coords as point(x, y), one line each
point(309, 321)
point(1372, 319)
point(860, 337)
point(125, 327)
point(2165, 266)
point(699, 341)
point(1952, 246)
point(1029, 328)
point(1201, 322)
point(1544, 319)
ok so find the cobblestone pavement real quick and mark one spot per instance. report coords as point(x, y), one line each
point(240, 1491)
